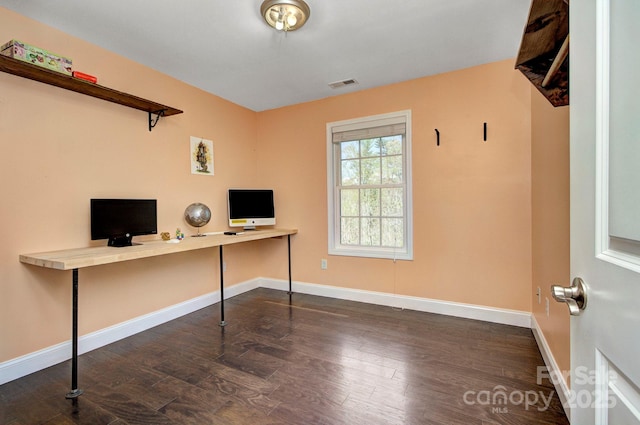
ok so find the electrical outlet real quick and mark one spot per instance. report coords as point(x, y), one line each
point(224, 266)
point(323, 264)
point(539, 294)
point(547, 305)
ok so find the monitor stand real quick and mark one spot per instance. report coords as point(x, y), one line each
point(120, 241)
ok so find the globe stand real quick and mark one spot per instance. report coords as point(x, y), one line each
point(198, 235)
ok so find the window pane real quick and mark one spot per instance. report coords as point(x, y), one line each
point(370, 202)
point(369, 147)
point(369, 179)
point(349, 150)
point(392, 169)
point(371, 171)
point(370, 232)
point(350, 172)
point(392, 145)
point(392, 202)
point(349, 202)
point(392, 232)
point(349, 231)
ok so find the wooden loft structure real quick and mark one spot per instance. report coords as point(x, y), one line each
point(544, 51)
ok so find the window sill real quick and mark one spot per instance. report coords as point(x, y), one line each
point(389, 254)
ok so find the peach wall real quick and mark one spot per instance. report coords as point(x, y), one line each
point(59, 149)
point(550, 220)
point(472, 200)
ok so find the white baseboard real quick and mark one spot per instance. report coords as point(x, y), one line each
point(38, 360)
point(468, 311)
point(561, 385)
point(33, 362)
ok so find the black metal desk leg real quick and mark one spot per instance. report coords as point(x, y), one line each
point(75, 391)
point(289, 253)
point(222, 322)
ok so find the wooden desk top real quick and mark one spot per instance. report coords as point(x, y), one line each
point(77, 258)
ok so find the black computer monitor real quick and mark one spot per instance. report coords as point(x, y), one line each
point(119, 220)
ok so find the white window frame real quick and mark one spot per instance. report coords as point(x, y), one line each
point(333, 202)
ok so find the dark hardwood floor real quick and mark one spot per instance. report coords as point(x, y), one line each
point(319, 361)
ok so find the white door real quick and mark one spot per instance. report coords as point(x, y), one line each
point(605, 210)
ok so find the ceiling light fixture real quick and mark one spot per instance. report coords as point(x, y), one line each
point(285, 15)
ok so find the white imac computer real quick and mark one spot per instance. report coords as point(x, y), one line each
point(249, 208)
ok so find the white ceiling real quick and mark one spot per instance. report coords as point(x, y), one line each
point(225, 48)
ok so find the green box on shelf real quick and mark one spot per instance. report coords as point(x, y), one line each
point(26, 52)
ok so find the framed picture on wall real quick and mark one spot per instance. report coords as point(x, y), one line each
point(201, 156)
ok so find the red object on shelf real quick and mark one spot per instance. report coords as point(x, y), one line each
point(86, 77)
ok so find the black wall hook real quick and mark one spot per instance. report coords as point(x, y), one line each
point(485, 132)
point(437, 137)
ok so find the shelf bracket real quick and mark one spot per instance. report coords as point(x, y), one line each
point(159, 114)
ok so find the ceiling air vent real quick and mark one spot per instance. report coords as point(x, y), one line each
point(338, 84)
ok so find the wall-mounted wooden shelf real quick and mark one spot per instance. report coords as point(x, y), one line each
point(544, 50)
point(53, 78)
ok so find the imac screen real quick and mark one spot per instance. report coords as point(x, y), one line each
point(251, 207)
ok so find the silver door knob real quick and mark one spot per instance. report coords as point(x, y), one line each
point(575, 296)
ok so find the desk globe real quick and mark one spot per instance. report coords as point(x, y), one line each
point(197, 215)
